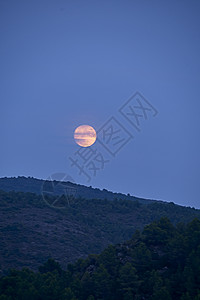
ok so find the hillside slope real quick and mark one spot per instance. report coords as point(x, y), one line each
point(54, 187)
point(31, 231)
point(160, 263)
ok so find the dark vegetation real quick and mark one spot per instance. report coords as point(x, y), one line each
point(34, 185)
point(160, 263)
point(31, 231)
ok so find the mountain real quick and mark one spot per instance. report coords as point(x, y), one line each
point(35, 227)
point(55, 187)
point(160, 263)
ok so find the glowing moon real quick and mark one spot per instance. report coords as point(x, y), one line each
point(85, 135)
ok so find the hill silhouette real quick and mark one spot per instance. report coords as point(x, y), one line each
point(159, 263)
point(34, 185)
point(33, 230)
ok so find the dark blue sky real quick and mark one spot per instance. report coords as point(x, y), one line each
point(68, 63)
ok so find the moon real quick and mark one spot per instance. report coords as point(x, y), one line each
point(85, 135)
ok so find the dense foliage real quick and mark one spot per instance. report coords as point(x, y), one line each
point(31, 231)
point(161, 262)
point(34, 185)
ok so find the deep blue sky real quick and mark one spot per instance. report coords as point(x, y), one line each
point(68, 63)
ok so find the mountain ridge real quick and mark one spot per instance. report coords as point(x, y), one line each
point(34, 185)
point(33, 230)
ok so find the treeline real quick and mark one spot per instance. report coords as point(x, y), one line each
point(34, 185)
point(31, 231)
point(160, 263)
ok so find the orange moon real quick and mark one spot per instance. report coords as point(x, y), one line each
point(85, 135)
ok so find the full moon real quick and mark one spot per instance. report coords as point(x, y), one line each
point(85, 135)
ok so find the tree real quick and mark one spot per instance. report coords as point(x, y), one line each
point(161, 293)
point(50, 266)
point(128, 280)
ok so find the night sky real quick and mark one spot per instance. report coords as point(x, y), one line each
point(70, 63)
